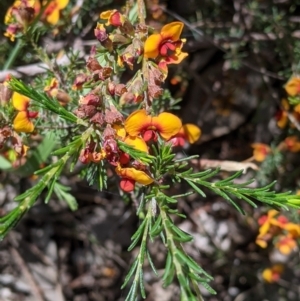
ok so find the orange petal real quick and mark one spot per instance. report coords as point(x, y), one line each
point(282, 120)
point(134, 174)
point(20, 102)
point(22, 123)
point(136, 121)
point(167, 124)
point(192, 132)
point(172, 31)
point(260, 151)
point(292, 87)
point(151, 48)
point(137, 142)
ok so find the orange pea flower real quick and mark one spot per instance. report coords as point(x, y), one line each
point(130, 176)
point(286, 244)
point(281, 115)
point(292, 87)
point(166, 124)
point(166, 44)
point(188, 132)
point(260, 151)
point(293, 229)
point(273, 274)
point(22, 122)
point(113, 17)
point(18, 16)
point(52, 11)
point(53, 90)
point(292, 143)
point(269, 224)
point(12, 12)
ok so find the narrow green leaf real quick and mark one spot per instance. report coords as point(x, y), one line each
point(49, 192)
point(195, 266)
point(130, 273)
point(181, 234)
point(142, 287)
point(196, 188)
point(151, 263)
point(157, 227)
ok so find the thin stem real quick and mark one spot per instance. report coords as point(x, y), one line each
point(13, 55)
point(141, 11)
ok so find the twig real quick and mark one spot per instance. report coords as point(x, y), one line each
point(225, 165)
point(36, 290)
point(33, 69)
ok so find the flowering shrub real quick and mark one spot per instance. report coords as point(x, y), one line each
point(122, 131)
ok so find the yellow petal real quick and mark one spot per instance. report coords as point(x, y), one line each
point(8, 16)
point(172, 31)
point(136, 121)
point(267, 275)
point(272, 213)
point(151, 48)
point(22, 123)
point(263, 229)
point(285, 249)
point(260, 151)
point(20, 102)
point(293, 229)
point(137, 175)
point(167, 124)
point(262, 243)
point(106, 14)
point(61, 4)
point(53, 17)
point(192, 132)
point(137, 142)
point(120, 130)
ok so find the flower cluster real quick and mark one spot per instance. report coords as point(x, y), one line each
point(15, 107)
point(273, 274)
point(261, 150)
point(100, 106)
point(290, 106)
point(280, 230)
point(22, 13)
point(137, 131)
